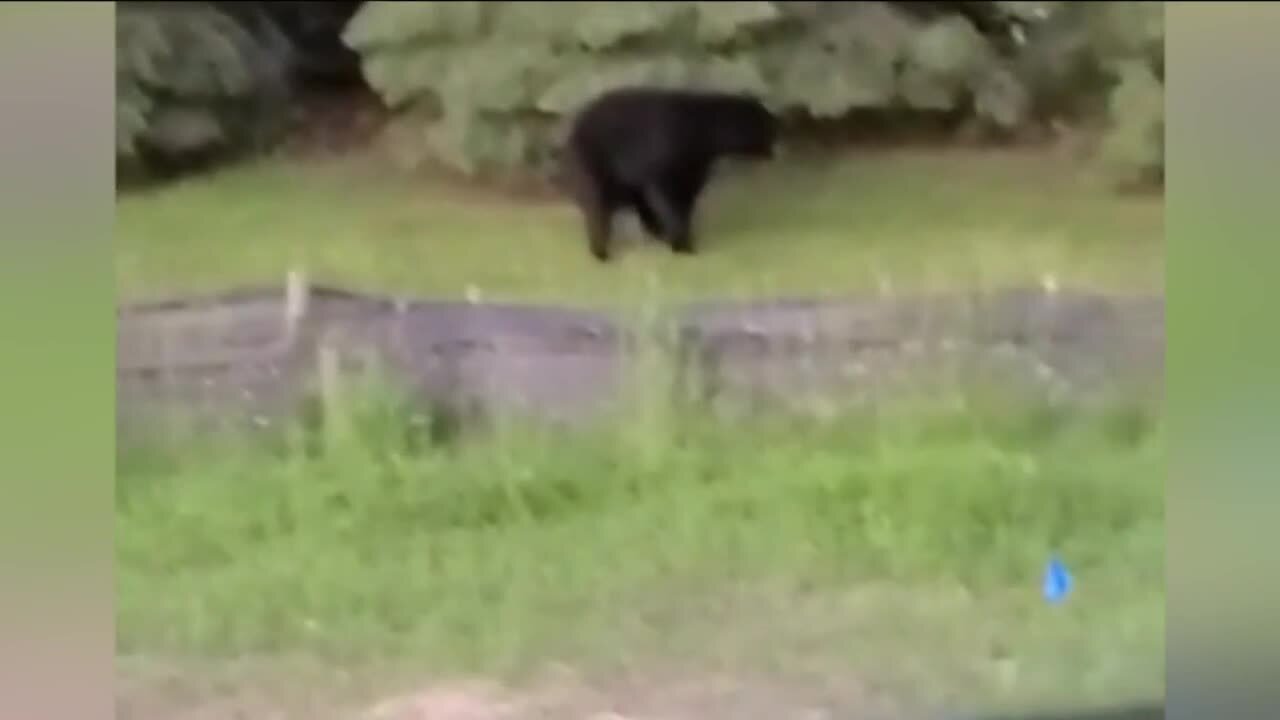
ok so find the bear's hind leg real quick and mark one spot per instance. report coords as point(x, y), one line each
point(675, 201)
point(648, 217)
point(597, 210)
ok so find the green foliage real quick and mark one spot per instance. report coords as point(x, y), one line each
point(723, 22)
point(1132, 41)
point(1106, 59)
point(191, 82)
point(416, 23)
point(939, 61)
point(515, 68)
point(1133, 148)
point(195, 80)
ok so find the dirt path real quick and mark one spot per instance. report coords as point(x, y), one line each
point(559, 695)
point(248, 357)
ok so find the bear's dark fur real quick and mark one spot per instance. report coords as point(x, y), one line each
point(652, 150)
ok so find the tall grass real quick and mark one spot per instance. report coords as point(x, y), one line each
point(666, 533)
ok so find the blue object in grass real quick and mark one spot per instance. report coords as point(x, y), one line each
point(1057, 581)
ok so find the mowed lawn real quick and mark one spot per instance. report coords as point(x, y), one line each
point(869, 220)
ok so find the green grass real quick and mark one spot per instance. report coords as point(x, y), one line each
point(905, 220)
point(906, 549)
point(902, 550)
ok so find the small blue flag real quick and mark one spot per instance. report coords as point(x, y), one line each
point(1057, 581)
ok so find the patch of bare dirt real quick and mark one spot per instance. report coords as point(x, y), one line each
point(562, 695)
point(335, 122)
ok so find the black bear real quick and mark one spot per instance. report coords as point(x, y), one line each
point(652, 150)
